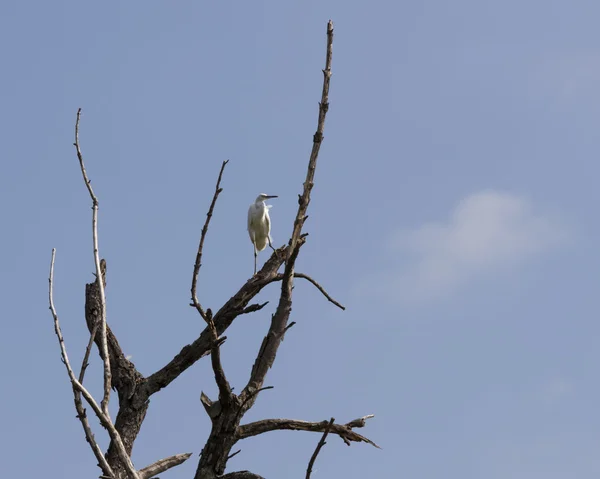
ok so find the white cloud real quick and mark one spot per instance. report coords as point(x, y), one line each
point(487, 232)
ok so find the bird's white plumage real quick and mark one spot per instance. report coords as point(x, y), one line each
point(259, 224)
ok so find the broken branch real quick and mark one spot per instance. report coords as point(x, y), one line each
point(163, 465)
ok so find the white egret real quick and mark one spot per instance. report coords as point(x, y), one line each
point(259, 224)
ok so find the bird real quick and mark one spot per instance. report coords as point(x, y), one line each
point(259, 224)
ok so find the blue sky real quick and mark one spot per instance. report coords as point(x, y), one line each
point(454, 214)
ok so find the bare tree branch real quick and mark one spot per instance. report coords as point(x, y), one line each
point(213, 409)
point(343, 430)
point(102, 318)
point(234, 454)
point(126, 379)
point(254, 307)
point(163, 465)
point(304, 200)
point(129, 383)
point(268, 350)
point(88, 350)
point(246, 399)
point(78, 389)
point(223, 318)
point(321, 443)
point(225, 393)
point(317, 285)
point(198, 262)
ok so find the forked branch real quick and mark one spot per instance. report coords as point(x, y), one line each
point(222, 319)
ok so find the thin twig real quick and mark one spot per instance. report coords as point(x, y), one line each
point(104, 349)
point(81, 415)
point(86, 357)
point(234, 454)
point(289, 326)
point(248, 398)
point(254, 307)
point(321, 443)
point(317, 285)
point(198, 262)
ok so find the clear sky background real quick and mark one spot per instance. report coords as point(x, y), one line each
point(454, 214)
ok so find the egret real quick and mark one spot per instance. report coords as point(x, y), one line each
point(259, 224)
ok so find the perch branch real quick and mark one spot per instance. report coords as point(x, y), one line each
point(223, 318)
point(343, 430)
point(198, 262)
point(99, 276)
point(163, 465)
point(321, 443)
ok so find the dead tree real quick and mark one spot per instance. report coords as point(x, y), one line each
point(227, 411)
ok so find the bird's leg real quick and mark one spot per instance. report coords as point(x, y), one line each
point(255, 255)
point(269, 238)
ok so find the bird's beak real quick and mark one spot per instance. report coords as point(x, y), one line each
point(272, 196)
